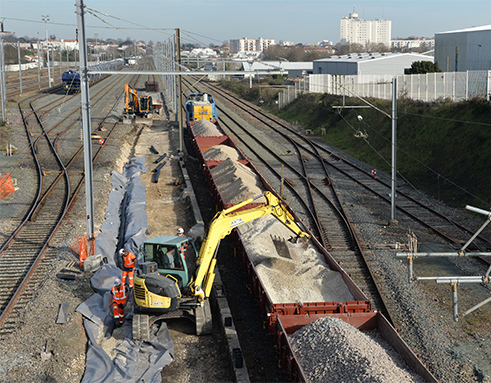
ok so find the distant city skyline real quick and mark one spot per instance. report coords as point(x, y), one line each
point(215, 21)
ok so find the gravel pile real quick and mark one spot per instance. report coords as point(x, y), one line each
point(303, 278)
point(221, 153)
point(331, 350)
point(205, 128)
point(237, 182)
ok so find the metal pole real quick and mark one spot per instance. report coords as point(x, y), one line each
point(39, 65)
point(394, 146)
point(2, 79)
point(84, 88)
point(20, 68)
point(179, 89)
point(61, 63)
point(46, 19)
point(52, 63)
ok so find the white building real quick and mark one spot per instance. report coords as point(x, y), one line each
point(250, 45)
point(392, 64)
point(463, 50)
point(57, 43)
point(417, 43)
point(360, 31)
point(292, 69)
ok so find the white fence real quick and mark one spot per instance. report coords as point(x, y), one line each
point(456, 86)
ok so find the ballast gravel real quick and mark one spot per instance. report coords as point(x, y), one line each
point(237, 182)
point(205, 128)
point(331, 350)
point(290, 273)
point(221, 153)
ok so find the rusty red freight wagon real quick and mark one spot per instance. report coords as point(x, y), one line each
point(287, 325)
point(284, 316)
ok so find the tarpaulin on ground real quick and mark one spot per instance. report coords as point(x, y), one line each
point(125, 213)
point(112, 354)
point(6, 185)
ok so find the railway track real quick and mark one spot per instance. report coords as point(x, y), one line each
point(409, 202)
point(312, 195)
point(57, 153)
point(318, 170)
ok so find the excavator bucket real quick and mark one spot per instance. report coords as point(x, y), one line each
point(292, 248)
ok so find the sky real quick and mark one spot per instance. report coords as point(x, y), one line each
point(216, 21)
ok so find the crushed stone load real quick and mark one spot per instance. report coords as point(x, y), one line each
point(221, 153)
point(205, 128)
point(331, 350)
point(298, 275)
point(236, 182)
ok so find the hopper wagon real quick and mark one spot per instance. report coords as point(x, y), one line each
point(331, 293)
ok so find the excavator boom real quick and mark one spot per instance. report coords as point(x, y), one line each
point(222, 225)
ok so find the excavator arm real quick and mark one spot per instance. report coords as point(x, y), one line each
point(132, 102)
point(222, 225)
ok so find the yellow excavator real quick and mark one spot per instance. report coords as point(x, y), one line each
point(135, 105)
point(165, 288)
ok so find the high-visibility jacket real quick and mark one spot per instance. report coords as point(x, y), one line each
point(119, 294)
point(129, 260)
point(118, 302)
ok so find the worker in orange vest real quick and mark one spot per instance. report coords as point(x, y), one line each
point(129, 263)
point(118, 292)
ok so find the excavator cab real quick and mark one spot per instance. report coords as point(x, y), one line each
point(169, 253)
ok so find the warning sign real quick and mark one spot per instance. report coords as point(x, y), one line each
point(6, 185)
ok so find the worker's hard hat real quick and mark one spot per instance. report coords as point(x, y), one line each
point(117, 282)
point(180, 231)
point(121, 251)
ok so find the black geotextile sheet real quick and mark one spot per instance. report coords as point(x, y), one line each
point(130, 361)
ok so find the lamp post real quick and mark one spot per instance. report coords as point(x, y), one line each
point(45, 18)
point(39, 65)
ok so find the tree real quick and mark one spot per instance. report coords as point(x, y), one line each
point(422, 67)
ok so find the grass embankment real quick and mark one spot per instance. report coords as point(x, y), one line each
point(443, 147)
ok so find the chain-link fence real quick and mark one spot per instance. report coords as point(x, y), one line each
point(456, 86)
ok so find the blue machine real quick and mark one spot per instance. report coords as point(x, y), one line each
point(71, 78)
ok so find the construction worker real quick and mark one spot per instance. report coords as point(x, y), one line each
point(374, 173)
point(118, 301)
point(129, 263)
point(180, 233)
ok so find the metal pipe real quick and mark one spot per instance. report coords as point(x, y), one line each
point(455, 254)
point(410, 260)
point(472, 309)
point(455, 302)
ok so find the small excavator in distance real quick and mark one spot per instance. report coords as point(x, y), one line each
point(134, 105)
point(164, 285)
